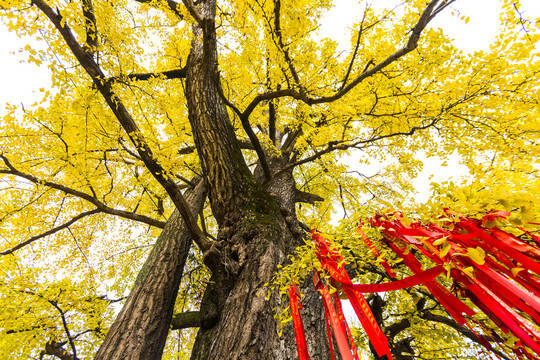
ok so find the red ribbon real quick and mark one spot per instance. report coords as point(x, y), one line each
point(495, 286)
point(491, 289)
point(374, 250)
point(297, 323)
point(337, 325)
point(417, 279)
point(333, 263)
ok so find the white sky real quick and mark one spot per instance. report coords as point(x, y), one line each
point(21, 81)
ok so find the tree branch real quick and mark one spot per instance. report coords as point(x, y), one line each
point(56, 349)
point(394, 329)
point(412, 43)
point(302, 196)
point(193, 11)
point(169, 4)
point(91, 43)
point(339, 145)
point(126, 120)
point(65, 325)
point(91, 199)
point(244, 120)
point(168, 74)
point(184, 320)
point(50, 232)
point(462, 330)
point(244, 144)
point(281, 45)
point(257, 146)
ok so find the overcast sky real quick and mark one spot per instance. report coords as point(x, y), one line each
point(22, 81)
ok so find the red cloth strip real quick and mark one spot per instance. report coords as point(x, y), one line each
point(364, 314)
point(493, 306)
point(419, 278)
point(450, 302)
point(341, 316)
point(337, 326)
point(301, 345)
point(330, 259)
point(375, 252)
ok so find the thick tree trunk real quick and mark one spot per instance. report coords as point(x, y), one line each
point(245, 327)
point(257, 230)
point(141, 328)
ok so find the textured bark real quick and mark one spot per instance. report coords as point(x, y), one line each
point(187, 319)
point(223, 164)
point(257, 228)
point(141, 328)
point(244, 326)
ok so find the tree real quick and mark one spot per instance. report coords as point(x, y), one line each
point(240, 103)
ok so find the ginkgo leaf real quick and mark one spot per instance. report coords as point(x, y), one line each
point(516, 270)
point(445, 249)
point(477, 255)
point(469, 271)
point(440, 241)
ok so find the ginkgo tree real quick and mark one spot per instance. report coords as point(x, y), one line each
point(186, 148)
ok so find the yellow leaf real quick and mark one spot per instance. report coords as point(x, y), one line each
point(469, 271)
point(286, 320)
point(516, 270)
point(477, 255)
point(445, 249)
point(440, 241)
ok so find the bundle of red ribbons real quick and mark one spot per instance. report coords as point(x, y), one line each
point(495, 270)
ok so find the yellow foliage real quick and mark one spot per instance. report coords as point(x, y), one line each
point(363, 147)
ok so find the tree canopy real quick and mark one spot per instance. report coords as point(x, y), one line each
point(91, 174)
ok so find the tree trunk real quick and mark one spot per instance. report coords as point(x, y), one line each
point(244, 327)
point(140, 330)
point(257, 230)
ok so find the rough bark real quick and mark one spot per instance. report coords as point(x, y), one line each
point(229, 178)
point(141, 328)
point(244, 326)
point(257, 229)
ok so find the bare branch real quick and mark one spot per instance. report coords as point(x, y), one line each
point(56, 349)
point(126, 120)
point(193, 11)
point(305, 197)
point(289, 143)
point(394, 329)
point(170, 4)
point(184, 320)
point(257, 146)
point(244, 120)
point(50, 232)
point(351, 63)
point(412, 43)
point(282, 47)
point(272, 121)
point(91, 43)
point(65, 325)
point(91, 199)
point(168, 74)
point(243, 143)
